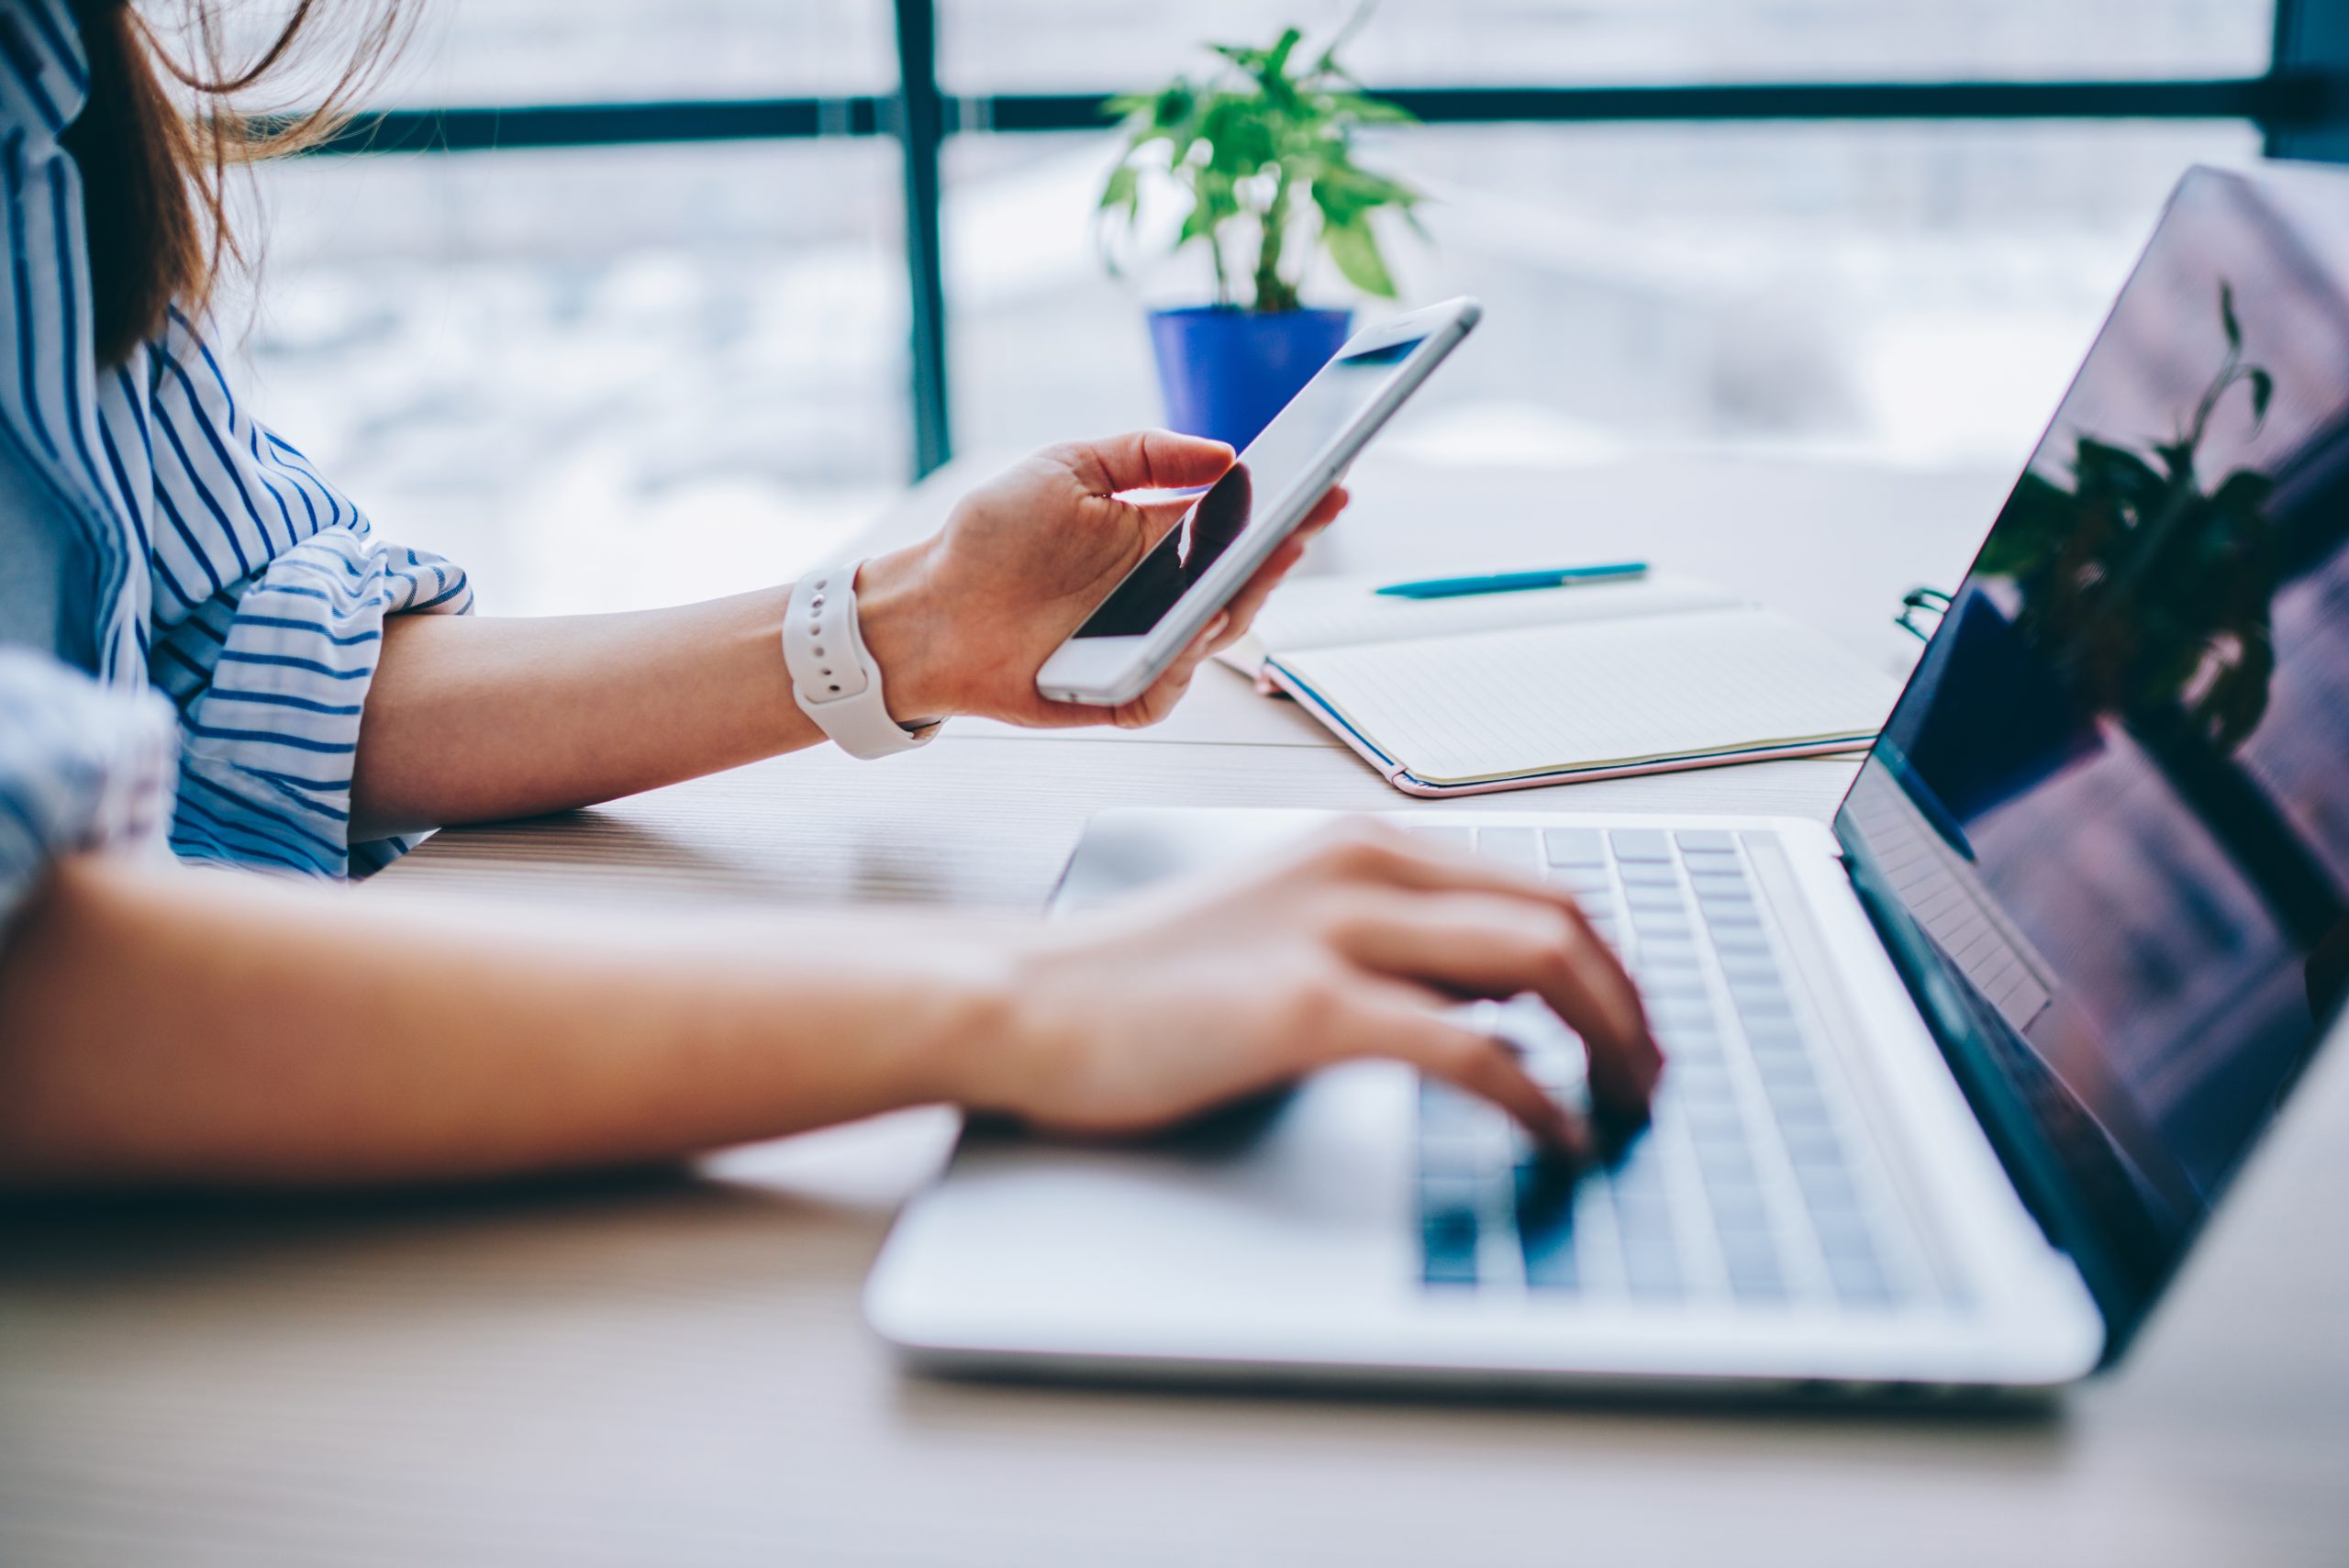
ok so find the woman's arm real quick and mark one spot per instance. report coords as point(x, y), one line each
point(164, 1025)
point(474, 719)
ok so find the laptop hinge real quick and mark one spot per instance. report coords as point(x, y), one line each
point(2032, 1167)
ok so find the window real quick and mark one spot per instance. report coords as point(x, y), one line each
point(1061, 46)
point(693, 361)
point(600, 377)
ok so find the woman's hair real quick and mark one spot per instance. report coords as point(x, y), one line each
point(164, 128)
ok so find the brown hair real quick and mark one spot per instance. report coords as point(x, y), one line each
point(159, 136)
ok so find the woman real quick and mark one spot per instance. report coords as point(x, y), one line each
point(202, 640)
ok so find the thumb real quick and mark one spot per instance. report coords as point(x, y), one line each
point(1145, 460)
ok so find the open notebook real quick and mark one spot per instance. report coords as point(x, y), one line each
point(1507, 691)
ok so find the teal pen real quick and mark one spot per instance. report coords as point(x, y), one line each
point(1515, 582)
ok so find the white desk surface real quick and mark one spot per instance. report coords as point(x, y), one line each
point(672, 1370)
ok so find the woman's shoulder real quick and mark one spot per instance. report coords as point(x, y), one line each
point(44, 67)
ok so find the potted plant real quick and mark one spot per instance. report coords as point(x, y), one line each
point(1263, 151)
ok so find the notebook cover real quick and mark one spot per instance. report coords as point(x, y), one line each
point(1395, 773)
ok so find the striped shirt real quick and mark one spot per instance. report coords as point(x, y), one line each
point(155, 537)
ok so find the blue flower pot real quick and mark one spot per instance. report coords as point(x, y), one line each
point(1226, 372)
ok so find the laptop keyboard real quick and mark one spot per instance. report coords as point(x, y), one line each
point(1750, 1187)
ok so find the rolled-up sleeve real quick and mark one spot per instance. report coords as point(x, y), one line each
point(81, 767)
point(285, 590)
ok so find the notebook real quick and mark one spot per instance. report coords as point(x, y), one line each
point(1508, 691)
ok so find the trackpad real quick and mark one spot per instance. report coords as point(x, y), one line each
point(1258, 1216)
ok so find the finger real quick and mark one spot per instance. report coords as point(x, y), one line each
point(1144, 460)
point(1250, 598)
point(1333, 500)
point(1482, 944)
point(1392, 1022)
point(1494, 932)
point(1170, 688)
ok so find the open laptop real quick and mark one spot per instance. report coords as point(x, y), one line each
point(1953, 1088)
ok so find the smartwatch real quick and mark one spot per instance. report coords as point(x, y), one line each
point(833, 678)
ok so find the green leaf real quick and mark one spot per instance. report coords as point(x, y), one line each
point(2227, 315)
point(1355, 251)
point(1124, 188)
point(1276, 60)
point(2243, 493)
point(2262, 390)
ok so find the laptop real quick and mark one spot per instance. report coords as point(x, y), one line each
point(1953, 1086)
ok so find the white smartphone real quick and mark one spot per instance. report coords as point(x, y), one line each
point(1167, 600)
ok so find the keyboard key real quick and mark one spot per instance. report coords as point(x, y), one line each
point(1735, 939)
point(1739, 1211)
point(1666, 1012)
point(1859, 1282)
point(1724, 861)
point(1752, 1262)
point(1448, 1251)
point(1515, 846)
point(1573, 846)
point(1688, 1081)
point(1461, 838)
point(1812, 1146)
point(1449, 1228)
point(1669, 979)
point(1649, 873)
point(1713, 884)
point(1706, 840)
point(1662, 950)
point(1843, 1233)
point(1827, 1189)
point(1640, 844)
point(1545, 1225)
point(1652, 1272)
point(1583, 881)
point(1796, 1103)
point(1640, 896)
point(1725, 1165)
point(1448, 1111)
point(1714, 1120)
point(1725, 917)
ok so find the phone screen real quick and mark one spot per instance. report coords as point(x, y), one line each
point(1250, 494)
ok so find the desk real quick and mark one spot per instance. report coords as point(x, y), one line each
point(673, 1370)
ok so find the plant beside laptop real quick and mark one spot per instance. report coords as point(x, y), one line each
point(1264, 151)
point(2159, 588)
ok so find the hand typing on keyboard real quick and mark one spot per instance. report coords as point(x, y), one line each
point(1744, 1190)
point(1361, 943)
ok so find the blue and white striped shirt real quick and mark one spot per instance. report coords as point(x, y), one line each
point(155, 536)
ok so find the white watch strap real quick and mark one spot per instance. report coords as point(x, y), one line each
point(834, 679)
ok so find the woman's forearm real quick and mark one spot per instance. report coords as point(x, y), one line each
point(162, 1026)
point(478, 718)
point(474, 720)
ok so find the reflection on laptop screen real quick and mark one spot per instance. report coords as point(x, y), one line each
point(2115, 794)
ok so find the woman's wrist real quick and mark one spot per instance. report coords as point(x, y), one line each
point(900, 620)
point(1004, 1010)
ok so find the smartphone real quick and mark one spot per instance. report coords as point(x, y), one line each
point(1166, 601)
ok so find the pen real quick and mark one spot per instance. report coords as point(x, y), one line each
point(1515, 582)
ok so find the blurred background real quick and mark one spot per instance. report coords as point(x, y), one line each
point(656, 361)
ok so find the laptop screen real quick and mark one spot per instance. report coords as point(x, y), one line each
point(2114, 801)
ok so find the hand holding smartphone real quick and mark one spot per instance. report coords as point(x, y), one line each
point(1169, 599)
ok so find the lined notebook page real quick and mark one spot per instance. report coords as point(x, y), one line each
point(1338, 612)
point(1500, 704)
